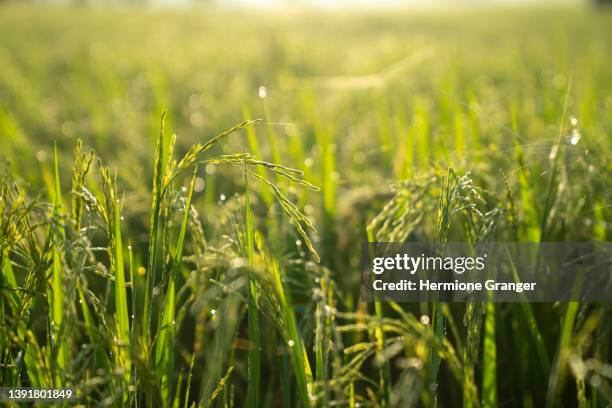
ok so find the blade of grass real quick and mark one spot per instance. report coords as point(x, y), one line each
point(297, 350)
point(434, 358)
point(559, 370)
point(57, 286)
point(532, 325)
point(530, 229)
point(188, 386)
point(321, 341)
point(177, 395)
point(254, 357)
point(489, 364)
point(121, 302)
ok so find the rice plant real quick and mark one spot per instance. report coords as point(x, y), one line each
point(149, 259)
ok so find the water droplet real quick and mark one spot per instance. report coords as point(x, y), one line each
point(309, 162)
point(424, 320)
point(573, 121)
point(210, 169)
point(291, 343)
point(121, 218)
point(184, 189)
point(575, 137)
point(213, 312)
point(262, 92)
point(199, 184)
point(81, 301)
point(222, 197)
point(298, 242)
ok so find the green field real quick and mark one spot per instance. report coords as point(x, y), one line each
point(216, 263)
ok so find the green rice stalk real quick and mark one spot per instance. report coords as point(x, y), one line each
point(153, 234)
point(299, 220)
point(297, 349)
point(59, 342)
point(121, 303)
point(82, 164)
point(254, 357)
point(188, 386)
point(221, 385)
point(559, 369)
point(177, 395)
point(123, 343)
point(322, 340)
point(164, 347)
point(489, 357)
point(532, 325)
point(438, 320)
point(384, 372)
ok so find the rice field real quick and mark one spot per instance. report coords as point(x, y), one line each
point(184, 194)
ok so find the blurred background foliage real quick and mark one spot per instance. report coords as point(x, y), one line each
point(385, 91)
